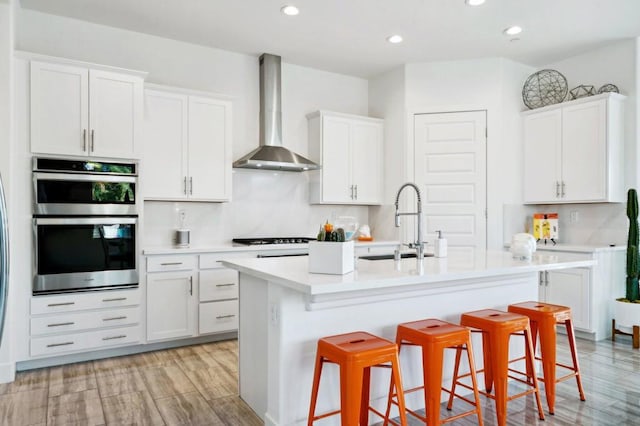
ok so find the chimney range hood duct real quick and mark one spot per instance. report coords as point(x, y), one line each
point(271, 155)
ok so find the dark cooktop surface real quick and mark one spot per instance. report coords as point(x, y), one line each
point(272, 240)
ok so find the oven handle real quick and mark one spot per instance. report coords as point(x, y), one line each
point(83, 177)
point(85, 221)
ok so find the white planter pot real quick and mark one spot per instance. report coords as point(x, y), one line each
point(326, 257)
point(626, 315)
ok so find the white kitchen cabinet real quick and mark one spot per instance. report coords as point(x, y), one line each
point(187, 147)
point(349, 149)
point(573, 151)
point(78, 110)
point(171, 305)
point(569, 287)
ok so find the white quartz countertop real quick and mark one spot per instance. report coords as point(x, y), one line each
point(292, 272)
point(149, 251)
point(580, 248)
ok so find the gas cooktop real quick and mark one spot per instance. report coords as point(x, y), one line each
point(275, 240)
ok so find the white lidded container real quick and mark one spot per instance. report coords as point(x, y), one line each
point(331, 257)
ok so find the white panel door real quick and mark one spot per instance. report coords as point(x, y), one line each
point(570, 287)
point(542, 156)
point(336, 161)
point(171, 307)
point(584, 151)
point(209, 149)
point(164, 154)
point(366, 161)
point(450, 169)
point(115, 102)
point(59, 109)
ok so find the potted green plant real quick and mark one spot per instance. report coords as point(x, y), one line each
point(627, 309)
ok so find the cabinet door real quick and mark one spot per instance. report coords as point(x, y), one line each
point(209, 149)
point(59, 109)
point(570, 287)
point(171, 305)
point(542, 156)
point(336, 161)
point(584, 151)
point(115, 106)
point(366, 162)
point(164, 150)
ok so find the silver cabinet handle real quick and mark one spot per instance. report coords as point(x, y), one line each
point(61, 304)
point(563, 188)
point(191, 185)
point(557, 189)
point(185, 186)
point(170, 263)
point(351, 188)
point(53, 345)
point(546, 278)
point(114, 318)
point(116, 299)
point(356, 192)
point(540, 278)
point(93, 140)
point(60, 324)
point(190, 286)
point(225, 285)
point(122, 336)
point(224, 316)
point(84, 140)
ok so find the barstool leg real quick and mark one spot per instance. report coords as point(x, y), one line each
point(499, 362)
point(396, 378)
point(364, 402)
point(572, 345)
point(488, 370)
point(351, 378)
point(548, 340)
point(432, 382)
point(314, 391)
point(536, 385)
point(531, 361)
point(474, 380)
point(456, 369)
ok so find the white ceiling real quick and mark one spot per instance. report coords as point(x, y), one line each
point(348, 36)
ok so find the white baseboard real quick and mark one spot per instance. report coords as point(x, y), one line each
point(7, 372)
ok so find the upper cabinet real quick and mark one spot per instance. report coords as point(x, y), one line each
point(187, 147)
point(349, 149)
point(573, 152)
point(78, 110)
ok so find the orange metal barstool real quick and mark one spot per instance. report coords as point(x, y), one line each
point(356, 353)
point(434, 336)
point(544, 317)
point(497, 328)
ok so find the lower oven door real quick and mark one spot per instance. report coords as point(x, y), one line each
point(79, 254)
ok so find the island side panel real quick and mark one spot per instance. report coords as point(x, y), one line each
point(293, 338)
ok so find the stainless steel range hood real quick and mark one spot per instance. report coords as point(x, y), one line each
point(271, 155)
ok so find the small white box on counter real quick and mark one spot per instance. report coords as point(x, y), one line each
point(330, 257)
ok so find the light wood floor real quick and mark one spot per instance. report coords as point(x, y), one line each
point(197, 385)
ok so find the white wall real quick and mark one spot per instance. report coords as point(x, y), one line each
point(257, 207)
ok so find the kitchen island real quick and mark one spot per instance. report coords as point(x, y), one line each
point(284, 310)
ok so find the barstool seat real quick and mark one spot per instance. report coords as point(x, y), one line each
point(544, 317)
point(497, 328)
point(355, 353)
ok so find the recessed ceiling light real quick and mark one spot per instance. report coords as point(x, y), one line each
point(290, 10)
point(513, 30)
point(395, 39)
point(474, 2)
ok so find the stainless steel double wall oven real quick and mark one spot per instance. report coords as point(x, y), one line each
point(85, 219)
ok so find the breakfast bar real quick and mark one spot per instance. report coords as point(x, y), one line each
point(284, 310)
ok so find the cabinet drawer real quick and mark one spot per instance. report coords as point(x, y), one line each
point(218, 284)
point(171, 263)
point(115, 336)
point(212, 260)
point(218, 316)
point(52, 345)
point(78, 321)
point(80, 301)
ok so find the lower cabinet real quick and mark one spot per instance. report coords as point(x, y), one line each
point(171, 305)
point(80, 322)
point(569, 287)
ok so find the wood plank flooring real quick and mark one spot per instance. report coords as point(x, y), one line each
point(197, 385)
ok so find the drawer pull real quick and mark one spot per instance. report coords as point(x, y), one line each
point(170, 263)
point(115, 299)
point(61, 304)
point(53, 345)
point(225, 285)
point(114, 318)
point(225, 316)
point(60, 324)
point(122, 336)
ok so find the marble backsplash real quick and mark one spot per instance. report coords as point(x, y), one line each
point(264, 204)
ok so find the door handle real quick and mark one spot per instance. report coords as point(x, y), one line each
point(356, 192)
point(185, 186)
point(351, 188)
point(540, 278)
point(114, 318)
point(557, 189)
point(546, 278)
point(122, 336)
point(84, 140)
point(190, 286)
point(562, 188)
point(93, 140)
point(60, 324)
point(191, 185)
point(115, 299)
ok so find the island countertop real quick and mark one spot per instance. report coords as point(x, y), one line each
point(292, 272)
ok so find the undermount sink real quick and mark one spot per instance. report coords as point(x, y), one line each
point(390, 256)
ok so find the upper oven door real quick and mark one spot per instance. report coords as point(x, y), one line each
point(81, 253)
point(83, 194)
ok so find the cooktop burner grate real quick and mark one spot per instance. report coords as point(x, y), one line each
point(272, 240)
